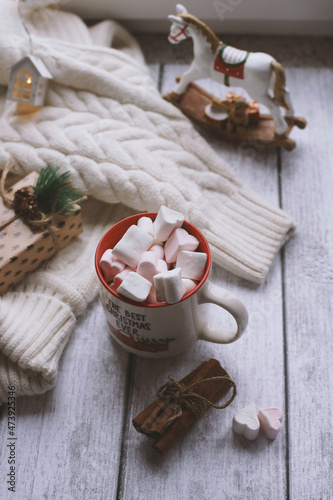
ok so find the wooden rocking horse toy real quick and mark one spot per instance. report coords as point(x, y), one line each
point(258, 73)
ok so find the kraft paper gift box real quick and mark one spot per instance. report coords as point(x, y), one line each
point(23, 248)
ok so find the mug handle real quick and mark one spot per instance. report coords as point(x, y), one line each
point(221, 297)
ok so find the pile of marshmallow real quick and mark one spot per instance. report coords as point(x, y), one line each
point(155, 261)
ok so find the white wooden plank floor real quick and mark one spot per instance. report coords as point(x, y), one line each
point(77, 441)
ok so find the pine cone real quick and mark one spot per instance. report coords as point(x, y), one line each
point(28, 207)
point(20, 195)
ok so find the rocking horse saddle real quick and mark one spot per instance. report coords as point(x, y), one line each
point(230, 62)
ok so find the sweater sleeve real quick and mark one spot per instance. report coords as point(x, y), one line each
point(34, 331)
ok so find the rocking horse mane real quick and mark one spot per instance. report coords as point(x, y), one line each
point(204, 30)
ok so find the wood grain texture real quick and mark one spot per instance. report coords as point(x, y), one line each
point(307, 183)
point(68, 440)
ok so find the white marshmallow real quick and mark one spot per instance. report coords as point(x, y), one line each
point(166, 221)
point(132, 245)
point(110, 265)
point(146, 224)
point(159, 287)
point(168, 286)
point(192, 264)
point(119, 278)
point(162, 266)
point(135, 287)
point(188, 285)
point(246, 422)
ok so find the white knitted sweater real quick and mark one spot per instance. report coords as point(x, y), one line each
point(105, 122)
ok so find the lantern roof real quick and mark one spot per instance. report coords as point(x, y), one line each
point(37, 63)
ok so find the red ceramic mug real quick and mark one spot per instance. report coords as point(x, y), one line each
point(162, 330)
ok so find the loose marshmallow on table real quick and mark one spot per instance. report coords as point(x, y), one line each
point(179, 240)
point(135, 287)
point(166, 221)
point(169, 286)
point(132, 245)
point(110, 265)
point(146, 224)
point(246, 422)
point(192, 264)
point(270, 421)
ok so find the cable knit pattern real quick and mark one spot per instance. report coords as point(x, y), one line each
point(105, 122)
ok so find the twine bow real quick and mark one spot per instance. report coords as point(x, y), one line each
point(184, 397)
point(26, 207)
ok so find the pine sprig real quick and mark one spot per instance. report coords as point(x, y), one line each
point(54, 191)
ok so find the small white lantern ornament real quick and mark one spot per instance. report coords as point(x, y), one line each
point(28, 81)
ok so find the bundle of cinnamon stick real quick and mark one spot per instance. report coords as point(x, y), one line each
point(179, 404)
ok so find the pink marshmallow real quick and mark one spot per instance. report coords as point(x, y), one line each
point(179, 240)
point(158, 250)
point(270, 421)
point(110, 265)
point(148, 265)
point(151, 299)
point(117, 267)
point(105, 264)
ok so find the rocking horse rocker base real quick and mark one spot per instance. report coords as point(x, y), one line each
point(195, 101)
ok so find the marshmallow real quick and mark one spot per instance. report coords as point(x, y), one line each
point(166, 221)
point(135, 287)
point(159, 287)
point(105, 265)
point(192, 264)
point(168, 286)
point(110, 265)
point(270, 421)
point(179, 240)
point(117, 267)
point(132, 245)
point(188, 285)
point(148, 265)
point(146, 224)
point(158, 250)
point(246, 422)
point(151, 299)
point(162, 266)
point(119, 278)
